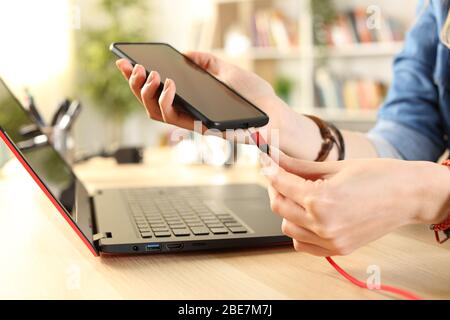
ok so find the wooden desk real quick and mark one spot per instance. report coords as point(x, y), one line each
point(42, 257)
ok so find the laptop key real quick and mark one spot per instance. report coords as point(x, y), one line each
point(174, 220)
point(224, 216)
point(200, 231)
point(214, 225)
point(160, 234)
point(153, 218)
point(157, 225)
point(146, 234)
point(238, 229)
point(219, 230)
point(206, 215)
point(176, 225)
point(233, 224)
point(187, 214)
point(195, 224)
point(171, 216)
point(192, 220)
point(142, 224)
point(209, 221)
point(181, 232)
point(160, 229)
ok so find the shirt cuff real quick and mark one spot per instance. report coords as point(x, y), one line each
point(384, 149)
point(394, 140)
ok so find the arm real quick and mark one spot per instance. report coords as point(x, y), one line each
point(409, 122)
point(333, 208)
point(308, 143)
point(410, 125)
point(298, 135)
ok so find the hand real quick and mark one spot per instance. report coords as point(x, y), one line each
point(160, 107)
point(333, 208)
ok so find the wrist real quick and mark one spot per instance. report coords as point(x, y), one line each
point(432, 192)
point(298, 136)
point(290, 134)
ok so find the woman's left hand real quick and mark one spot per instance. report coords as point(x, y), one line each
point(333, 208)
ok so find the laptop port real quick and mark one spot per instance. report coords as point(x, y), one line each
point(175, 246)
point(135, 248)
point(153, 247)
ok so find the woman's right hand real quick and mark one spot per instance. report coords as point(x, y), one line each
point(252, 87)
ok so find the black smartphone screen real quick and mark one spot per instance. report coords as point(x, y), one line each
point(211, 98)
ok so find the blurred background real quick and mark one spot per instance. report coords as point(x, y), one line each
point(329, 58)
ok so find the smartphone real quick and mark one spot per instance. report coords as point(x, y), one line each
point(201, 94)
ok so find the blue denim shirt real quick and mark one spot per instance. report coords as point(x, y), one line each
point(414, 121)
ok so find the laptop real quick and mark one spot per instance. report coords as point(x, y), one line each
point(142, 220)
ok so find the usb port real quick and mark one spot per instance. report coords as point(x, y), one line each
point(153, 247)
point(175, 246)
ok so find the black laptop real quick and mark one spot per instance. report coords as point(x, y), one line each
point(143, 220)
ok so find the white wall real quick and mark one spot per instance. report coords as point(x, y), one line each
point(36, 46)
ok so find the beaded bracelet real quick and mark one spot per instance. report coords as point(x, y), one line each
point(445, 225)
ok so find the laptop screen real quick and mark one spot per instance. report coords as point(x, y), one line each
point(45, 161)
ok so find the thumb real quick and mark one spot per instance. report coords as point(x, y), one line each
point(125, 67)
point(306, 169)
point(206, 61)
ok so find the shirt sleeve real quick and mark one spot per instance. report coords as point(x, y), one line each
point(410, 120)
point(389, 137)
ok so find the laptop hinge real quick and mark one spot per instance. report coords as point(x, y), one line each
point(101, 235)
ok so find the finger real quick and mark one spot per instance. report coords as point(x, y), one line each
point(289, 210)
point(169, 113)
point(125, 67)
point(311, 249)
point(307, 169)
point(206, 61)
point(137, 80)
point(291, 186)
point(301, 234)
point(149, 96)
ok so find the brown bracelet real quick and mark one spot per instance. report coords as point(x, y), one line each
point(329, 140)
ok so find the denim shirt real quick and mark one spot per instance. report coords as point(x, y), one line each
point(414, 121)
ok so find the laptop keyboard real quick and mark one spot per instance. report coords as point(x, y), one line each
point(159, 214)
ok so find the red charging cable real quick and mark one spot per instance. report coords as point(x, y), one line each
point(264, 147)
point(406, 294)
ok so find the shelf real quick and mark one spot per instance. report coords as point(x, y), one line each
point(264, 54)
point(341, 115)
point(231, 1)
point(365, 50)
point(358, 61)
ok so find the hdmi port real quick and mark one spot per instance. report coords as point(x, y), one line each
point(175, 246)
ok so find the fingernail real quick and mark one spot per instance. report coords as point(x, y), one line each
point(167, 84)
point(134, 70)
point(150, 77)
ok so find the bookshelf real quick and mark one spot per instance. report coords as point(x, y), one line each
point(277, 39)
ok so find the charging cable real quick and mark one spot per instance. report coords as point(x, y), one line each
point(403, 293)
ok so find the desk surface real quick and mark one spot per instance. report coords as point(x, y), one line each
point(42, 257)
